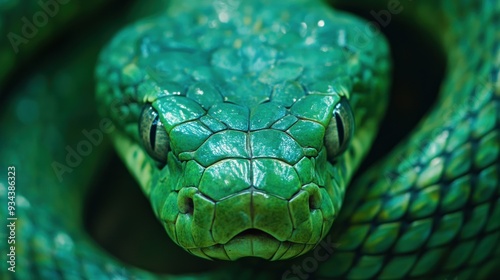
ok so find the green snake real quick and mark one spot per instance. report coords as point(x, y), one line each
point(243, 122)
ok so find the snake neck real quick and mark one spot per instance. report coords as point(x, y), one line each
point(466, 31)
point(469, 38)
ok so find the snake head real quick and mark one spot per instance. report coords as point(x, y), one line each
point(237, 181)
point(237, 123)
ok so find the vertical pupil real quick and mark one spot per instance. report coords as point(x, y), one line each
point(152, 133)
point(340, 128)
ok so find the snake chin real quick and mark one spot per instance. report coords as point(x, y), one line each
point(253, 243)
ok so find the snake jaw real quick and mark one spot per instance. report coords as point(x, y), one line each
point(253, 243)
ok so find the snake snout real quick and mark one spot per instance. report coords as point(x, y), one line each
point(249, 223)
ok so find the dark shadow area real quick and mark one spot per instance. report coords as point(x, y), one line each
point(120, 219)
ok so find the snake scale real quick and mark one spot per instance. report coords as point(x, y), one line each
point(243, 123)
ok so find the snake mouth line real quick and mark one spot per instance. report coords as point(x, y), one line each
point(252, 243)
point(253, 233)
point(257, 234)
point(248, 234)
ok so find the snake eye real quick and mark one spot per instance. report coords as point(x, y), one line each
point(340, 130)
point(153, 134)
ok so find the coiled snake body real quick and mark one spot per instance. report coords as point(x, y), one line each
point(243, 123)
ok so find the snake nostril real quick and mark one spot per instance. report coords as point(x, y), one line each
point(314, 196)
point(185, 200)
point(311, 202)
point(314, 203)
point(190, 205)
